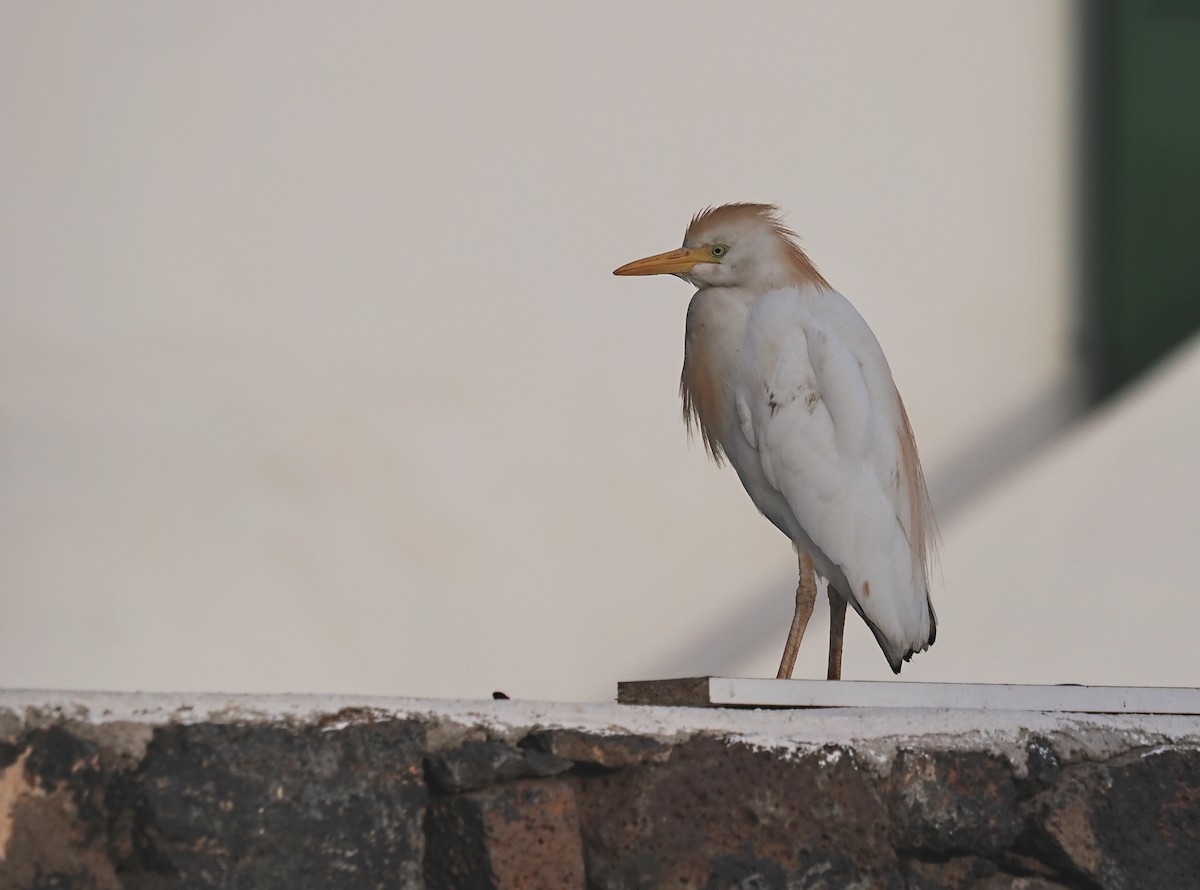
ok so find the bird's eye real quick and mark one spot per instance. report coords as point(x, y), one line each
point(719, 250)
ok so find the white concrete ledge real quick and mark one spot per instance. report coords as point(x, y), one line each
point(879, 730)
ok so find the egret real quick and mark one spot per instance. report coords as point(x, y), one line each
point(783, 377)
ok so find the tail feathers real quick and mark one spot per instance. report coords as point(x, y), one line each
point(897, 656)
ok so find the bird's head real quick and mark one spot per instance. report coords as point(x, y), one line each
point(734, 245)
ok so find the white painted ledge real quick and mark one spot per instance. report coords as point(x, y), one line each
point(762, 693)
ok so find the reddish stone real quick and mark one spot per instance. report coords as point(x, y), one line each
point(721, 815)
point(52, 823)
point(518, 836)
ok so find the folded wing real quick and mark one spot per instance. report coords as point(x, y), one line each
point(834, 440)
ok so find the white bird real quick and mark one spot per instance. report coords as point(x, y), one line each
point(785, 379)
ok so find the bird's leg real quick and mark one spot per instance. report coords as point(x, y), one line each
point(806, 597)
point(837, 626)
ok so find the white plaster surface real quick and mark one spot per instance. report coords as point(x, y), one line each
point(313, 374)
point(875, 733)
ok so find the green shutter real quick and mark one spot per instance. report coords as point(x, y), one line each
point(1145, 263)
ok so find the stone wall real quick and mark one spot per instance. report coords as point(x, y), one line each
point(135, 791)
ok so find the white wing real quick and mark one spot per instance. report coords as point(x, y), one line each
point(835, 462)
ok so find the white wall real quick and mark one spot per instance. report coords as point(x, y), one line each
point(314, 374)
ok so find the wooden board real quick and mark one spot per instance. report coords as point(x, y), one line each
point(726, 692)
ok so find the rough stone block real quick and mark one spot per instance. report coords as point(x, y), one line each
point(971, 873)
point(945, 803)
point(1042, 766)
point(53, 825)
point(1128, 823)
point(475, 765)
point(522, 835)
point(725, 815)
point(590, 749)
point(274, 806)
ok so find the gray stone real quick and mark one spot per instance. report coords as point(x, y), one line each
point(475, 765)
point(1128, 823)
point(971, 873)
point(1042, 766)
point(946, 803)
point(595, 749)
point(273, 806)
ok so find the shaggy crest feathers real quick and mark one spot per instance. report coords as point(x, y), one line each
point(711, 218)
